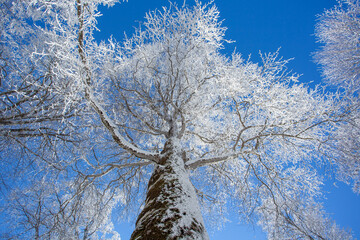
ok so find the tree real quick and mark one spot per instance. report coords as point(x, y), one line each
point(38, 122)
point(338, 30)
point(40, 208)
point(32, 103)
point(205, 130)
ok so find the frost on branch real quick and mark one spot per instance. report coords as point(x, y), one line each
point(338, 30)
point(60, 210)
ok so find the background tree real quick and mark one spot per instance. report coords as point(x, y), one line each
point(338, 30)
point(49, 211)
point(39, 123)
point(206, 131)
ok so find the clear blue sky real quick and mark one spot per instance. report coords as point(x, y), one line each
point(255, 25)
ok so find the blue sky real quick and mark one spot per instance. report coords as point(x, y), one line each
point(255, 25)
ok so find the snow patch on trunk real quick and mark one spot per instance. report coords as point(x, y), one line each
point(171, 208)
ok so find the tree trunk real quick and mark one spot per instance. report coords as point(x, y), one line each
point(171, 208)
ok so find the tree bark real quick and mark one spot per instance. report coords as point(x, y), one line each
point(171, 208)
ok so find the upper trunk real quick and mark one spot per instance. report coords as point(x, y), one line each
point(171, 208)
